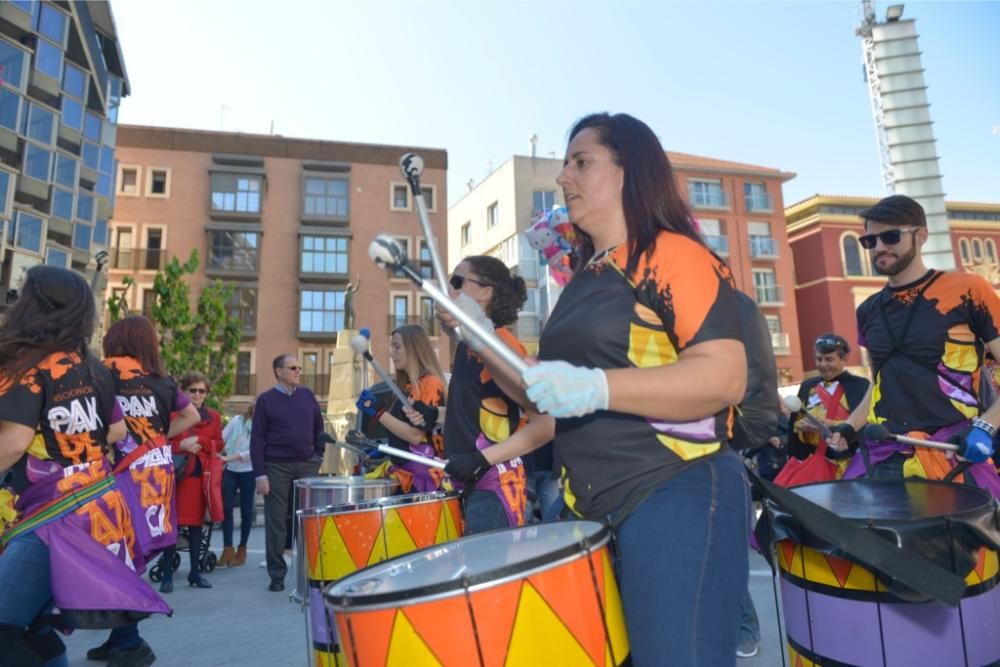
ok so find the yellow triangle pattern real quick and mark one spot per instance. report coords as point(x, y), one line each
point(649, 347)
point(324, 659)
point(494, 426)
point(991, 568)
point(687, 450)
point(960, 357)
point(796, 660)
point(334, 559)
point(795, 566)
point(398, 539)
point(539, 637)
point(447, 522)
point(969, 411)
point(614, 615)
point(378, 548)
point(406, 648)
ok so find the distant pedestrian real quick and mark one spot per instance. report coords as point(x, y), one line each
point(238, 477)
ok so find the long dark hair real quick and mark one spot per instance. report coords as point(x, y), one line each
point(135, 336)
point(650, 198)
point(54, 313)
point(509, 291)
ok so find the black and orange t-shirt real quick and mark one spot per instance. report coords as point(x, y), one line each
point(431, 393)
point(70, 402)
point(146, 400)
point(926, 341)
point(679, 295)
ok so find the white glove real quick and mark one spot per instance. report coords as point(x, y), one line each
point(564, 390)
point(475, 311)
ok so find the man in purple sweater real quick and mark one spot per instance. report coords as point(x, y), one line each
point(284, 446)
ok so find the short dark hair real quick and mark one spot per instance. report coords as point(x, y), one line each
point(509, 291)
point(194, 377)
point(896, 210)
point(279, 362)
point(135, 336)
point(831, 342)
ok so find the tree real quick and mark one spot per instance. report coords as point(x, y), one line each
point(205, 341)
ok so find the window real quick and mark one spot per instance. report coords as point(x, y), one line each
point(761, 243)
point(101, 232)
point(235, 194)
point(324, 254)
point(37, 162)
point(12, 61)
point(326, 197)
point(977, 250)
point(466, 228)
point(128, 181)
point(65, 172)
point(244, 374)
point(707, 193)
point(964, 251)
point(52, 23)
point(424, 262)
point(85, 207)
point(56, 257)
point(123, 248)
point(91, 155)
point(5, 192)
point(148, 301)
point(49, 59)
point(159, 182)
point(233, 251)
point(542, 201)
point(10, 109)
point(400, 197)
point(74, 81)
point(404, 243)
point(492, 215)
point(527, 318)
point(430, 196)
point(40, 125)
point(400, 310)
point(427, 319)
point(756, 198)
point(711, 231)
point(991, 251)
point(321, 311)
point(767, 289)
point(773, 323)
point(92, 127)
point(72, 113)
point(28, 232)
point(243, 306)
point(63, 203)
point(854, 264)
point(155, 254)
point(82, 235)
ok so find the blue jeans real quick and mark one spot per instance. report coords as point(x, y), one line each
point(26, 586)
point(483, 511)
point(247, 487)
point(749, 623)
point(683, 566)
point(543, 485)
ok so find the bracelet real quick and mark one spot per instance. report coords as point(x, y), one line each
point(984, 425)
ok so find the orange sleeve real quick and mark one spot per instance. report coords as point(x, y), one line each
point(512, 342)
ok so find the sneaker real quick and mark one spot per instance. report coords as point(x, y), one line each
point(140, 655)
point(276, 585)
point(747, 649)
point(101, 653)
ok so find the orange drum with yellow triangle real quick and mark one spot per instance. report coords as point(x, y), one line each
point(341, 539)
point(535, 595)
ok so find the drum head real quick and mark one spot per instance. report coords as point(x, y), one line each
point(385, 503)
point(487, 558)
point(895, 500)
point(333, 482)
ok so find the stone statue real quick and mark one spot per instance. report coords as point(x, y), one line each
point(349, 293)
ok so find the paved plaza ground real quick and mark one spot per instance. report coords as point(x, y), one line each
point(240, 622)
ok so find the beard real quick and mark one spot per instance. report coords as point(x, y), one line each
point(900, 265)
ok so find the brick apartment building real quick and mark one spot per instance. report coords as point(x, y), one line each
point(287, 223)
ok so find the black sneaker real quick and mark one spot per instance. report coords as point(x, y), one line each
point(276, 585)
point(140, 655)
point(102, 652)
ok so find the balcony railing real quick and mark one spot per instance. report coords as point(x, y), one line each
point(708, 199)
point(770, 295)
point(719, 244)
point(430, 324)
point(138, 259)
point(318, 384)
point(763, 246)
point(780, 343)
point(245, 385)
point(759, 201)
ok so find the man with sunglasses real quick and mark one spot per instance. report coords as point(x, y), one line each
point(926, 333)
point(829, 397)
point(285, 445)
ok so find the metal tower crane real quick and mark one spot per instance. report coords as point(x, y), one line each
point(864, 31)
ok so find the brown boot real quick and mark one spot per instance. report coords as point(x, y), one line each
point(226, 558)
point(240, 558)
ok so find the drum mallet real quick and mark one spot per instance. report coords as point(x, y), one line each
point(879, 433)
point(358, 439)
point(360, 346)
point(794, 404)
point(387, 253)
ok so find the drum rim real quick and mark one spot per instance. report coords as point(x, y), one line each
point(385, 502)
point(587, 545)
point(361, 482)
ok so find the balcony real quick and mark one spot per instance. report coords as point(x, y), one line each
point(770, 295)
point(708, 199)
point(763, 247)
point(780, 343)
point(759, 202)
point(718, 244)
point(138, 259)
point(318, 384)
point(245, 385)
point(430, 324)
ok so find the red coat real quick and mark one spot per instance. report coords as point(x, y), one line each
point(195, 495)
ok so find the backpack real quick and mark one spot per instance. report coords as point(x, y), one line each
point(758, 413)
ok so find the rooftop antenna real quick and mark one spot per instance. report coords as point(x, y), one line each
point(533, 140)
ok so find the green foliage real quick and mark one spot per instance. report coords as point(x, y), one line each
point(117, 304)
point(205, 341)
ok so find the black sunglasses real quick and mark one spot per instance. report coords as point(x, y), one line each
point(292, 368)
point(457, 281)
point(888, 237)
point(195, 390)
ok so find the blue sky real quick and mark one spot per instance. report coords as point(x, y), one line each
point(772, 83)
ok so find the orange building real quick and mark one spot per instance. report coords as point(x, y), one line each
point(285, 222)
point(833, 274)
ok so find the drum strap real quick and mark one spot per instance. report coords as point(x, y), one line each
point(864, 545)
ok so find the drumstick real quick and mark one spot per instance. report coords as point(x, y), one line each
point(410, 456)
point(878, 433)
point(360, 346)
point(794, 404)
